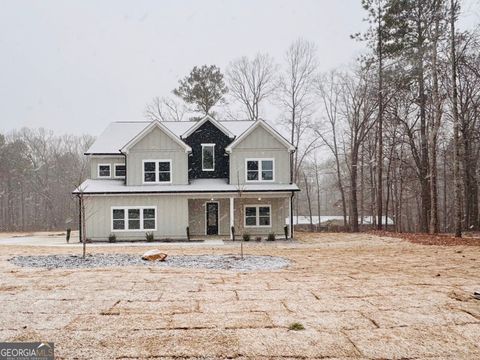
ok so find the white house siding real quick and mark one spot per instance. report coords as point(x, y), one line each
point(96, 160)
point(197, 216)
point(157, 145)
point(172, 215)
point(279, 211)
point(260, 144)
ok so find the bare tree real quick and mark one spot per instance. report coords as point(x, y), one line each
point(251, 82)
point(165, 109)
point(329, 89)
point(297, 83)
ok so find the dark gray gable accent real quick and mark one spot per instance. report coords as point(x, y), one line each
point(205, 134)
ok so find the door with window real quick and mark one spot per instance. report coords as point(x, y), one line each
point(212, 218)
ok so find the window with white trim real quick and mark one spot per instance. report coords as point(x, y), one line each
point(157, 171)
point(119, 171)
point(259, 170)
point(208, 157)
point(134, 218)
point(103, 170)
point(258, 216)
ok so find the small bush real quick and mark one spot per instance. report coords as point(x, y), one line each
point(149, 236)
point(271, 236)
point(112, 238)
point(258, 238)
point(246, 237)
point(296, 326)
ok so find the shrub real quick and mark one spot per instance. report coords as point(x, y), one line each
point(149, 236)
point(271, 236)
point(296, 326)
point(258, 238)
point(246, 237)
point(112, 238)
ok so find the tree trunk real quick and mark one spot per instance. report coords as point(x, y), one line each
point(456, 142)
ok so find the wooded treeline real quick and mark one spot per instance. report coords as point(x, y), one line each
point(403, 125)
point(38, 172)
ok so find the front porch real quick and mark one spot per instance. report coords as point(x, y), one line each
point(256, 214)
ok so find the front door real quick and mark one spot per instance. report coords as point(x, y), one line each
point(212, 218)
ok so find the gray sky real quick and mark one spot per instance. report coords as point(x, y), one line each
point(75, 66)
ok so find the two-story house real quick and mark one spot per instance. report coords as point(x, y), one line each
point(207, 176)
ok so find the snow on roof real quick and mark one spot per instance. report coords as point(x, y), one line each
point(201, 185)
point(119, 133)
point(305, 219)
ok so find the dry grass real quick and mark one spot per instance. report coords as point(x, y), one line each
point(357, 295)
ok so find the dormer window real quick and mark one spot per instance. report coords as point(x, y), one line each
point(157, 171)
point(259, 170)
point(208, 157)
point(120, 171)
point(103, 170)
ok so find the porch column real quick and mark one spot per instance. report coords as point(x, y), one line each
point(290, 217)
point(232, 222)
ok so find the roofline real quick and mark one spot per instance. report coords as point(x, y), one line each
point(266, 126)
point(182, 192)
point(147, 129)
point(104, 154)
point(203, 121)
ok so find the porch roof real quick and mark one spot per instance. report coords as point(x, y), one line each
point(89, 187)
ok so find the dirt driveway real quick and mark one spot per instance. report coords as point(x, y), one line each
point(358, 296)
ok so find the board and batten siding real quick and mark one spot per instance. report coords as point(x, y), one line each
point(260, 144)
point(279, 211)
point(156, 145)
point(172, 216)
point(197, 216)
point(96, 160)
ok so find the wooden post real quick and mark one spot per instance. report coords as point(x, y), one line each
point(232, 219)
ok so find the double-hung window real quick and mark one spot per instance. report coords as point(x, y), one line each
point(119, 171)
point(134, 218)
point(258, 216)
point(259, 170)
point(208, 157)
point(103, 170)
point(157, 171)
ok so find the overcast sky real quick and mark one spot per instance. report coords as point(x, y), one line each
point(75, 66)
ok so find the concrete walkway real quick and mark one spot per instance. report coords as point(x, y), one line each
point(60, 240)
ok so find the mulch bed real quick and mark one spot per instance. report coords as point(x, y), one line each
point(427, 239)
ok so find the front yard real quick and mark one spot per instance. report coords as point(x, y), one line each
point(357, 296)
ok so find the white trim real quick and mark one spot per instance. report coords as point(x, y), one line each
point(257, 216)
point(156, 182)
point(260, 169)
point(109, 171)
point(203, 146)
point(268, 128)
point(115, 170)
point(218, 215)
point(125, 218)
point(203, 121)
point(147, 129)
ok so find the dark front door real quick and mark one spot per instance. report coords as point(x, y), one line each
point(212, 218)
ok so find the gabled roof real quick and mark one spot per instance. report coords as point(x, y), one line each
point(268, 128)
point(119, 133)
point(148, 129)
point(203, 121)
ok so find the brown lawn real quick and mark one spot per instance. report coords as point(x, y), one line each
point(358, 296)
